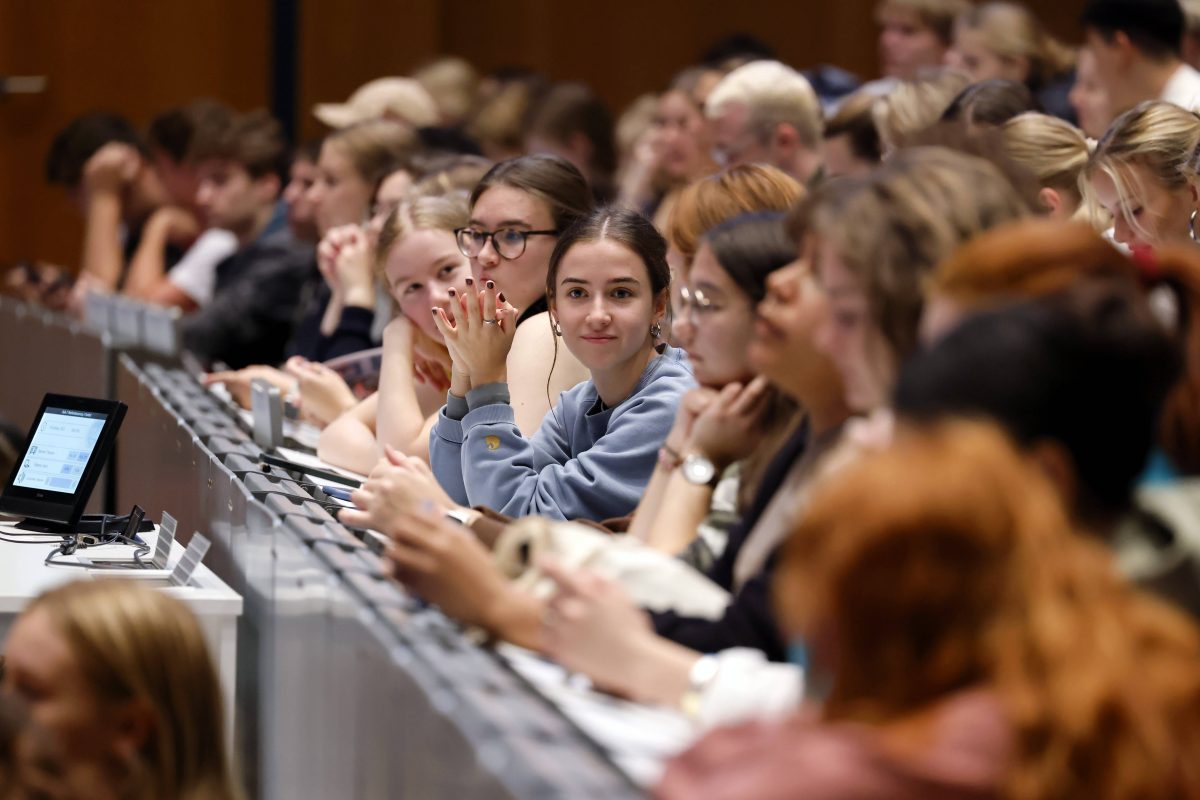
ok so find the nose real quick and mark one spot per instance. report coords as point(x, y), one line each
point(488, 255)
point(682, 329)
point(1121, 229)
point(598, 314)
point(203, 194)
point(439, 294)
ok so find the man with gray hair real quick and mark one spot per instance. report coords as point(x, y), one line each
point(766, 112)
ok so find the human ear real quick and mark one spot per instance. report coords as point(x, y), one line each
point(132, 728)
point(1051, 201)
point(784, 138)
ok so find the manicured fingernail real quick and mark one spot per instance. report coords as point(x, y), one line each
point(452, 293)
point(434, 310)
point(491, 285)
point(470, 282)
point(501, 297)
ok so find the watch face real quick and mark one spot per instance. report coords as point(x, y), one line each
point(698, 470)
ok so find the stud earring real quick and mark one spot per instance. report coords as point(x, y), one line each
point(656, 330)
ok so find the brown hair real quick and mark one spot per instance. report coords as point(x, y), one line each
point(937, 15)
point(947, 563)
point(551, 179)
point(1038, 257)
point(376, 148)
point(892, 227)
point(855, 119)
point(136, 643)
point(253, 140)
point(706, 203)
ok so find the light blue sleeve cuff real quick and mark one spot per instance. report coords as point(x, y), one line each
point(456, 407)
point(489, 394)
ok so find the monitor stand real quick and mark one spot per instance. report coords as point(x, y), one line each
point(88, 523)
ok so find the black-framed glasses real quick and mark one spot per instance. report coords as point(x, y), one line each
point(509, 243)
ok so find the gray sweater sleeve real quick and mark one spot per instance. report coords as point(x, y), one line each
point(445, 447)
point(518, 476)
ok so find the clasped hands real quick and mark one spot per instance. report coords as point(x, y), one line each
point(344, 260)
point(479, 337)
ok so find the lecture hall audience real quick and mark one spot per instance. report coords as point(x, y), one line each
point(857, 425)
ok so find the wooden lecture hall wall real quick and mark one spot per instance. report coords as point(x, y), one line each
point(138, 57)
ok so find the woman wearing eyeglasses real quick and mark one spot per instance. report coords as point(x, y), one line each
point(518, 211)
point(593, 454)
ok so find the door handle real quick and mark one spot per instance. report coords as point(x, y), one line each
point(22, 84)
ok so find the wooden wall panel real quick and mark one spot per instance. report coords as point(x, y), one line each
point(135, 57)
point(140, 56)
point(345, 43)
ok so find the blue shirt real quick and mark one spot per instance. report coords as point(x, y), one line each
point(584, 462)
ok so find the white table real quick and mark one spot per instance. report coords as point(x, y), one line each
point(24, 575)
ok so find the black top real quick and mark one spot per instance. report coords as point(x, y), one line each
point(258, 288)
point(749, 620)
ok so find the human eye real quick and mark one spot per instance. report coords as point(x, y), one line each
point(622, 293)
point(510, 236)
point(448, 271)
point(575, 293)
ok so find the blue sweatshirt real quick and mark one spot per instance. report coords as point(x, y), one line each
point(584, 462)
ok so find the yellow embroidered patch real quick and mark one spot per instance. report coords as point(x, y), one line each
point(492, 442)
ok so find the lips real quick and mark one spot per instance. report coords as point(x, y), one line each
point(598, 339)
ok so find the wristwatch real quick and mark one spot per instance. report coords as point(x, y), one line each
point(699, 470)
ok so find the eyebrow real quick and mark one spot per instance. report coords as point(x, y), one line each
point(585, 282)
point(508, 223)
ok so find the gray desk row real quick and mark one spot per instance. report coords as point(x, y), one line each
point(347, 686)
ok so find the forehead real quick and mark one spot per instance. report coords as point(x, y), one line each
point(334, 159)
point(508, 203)
point(600, 262)
point(707, 270)
point(892, 15)
point(836, 277)
point(419, 253)
point(35, 644)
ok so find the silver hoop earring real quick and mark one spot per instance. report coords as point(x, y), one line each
point(554, 326)
point(1192, 225)
point(656, 330)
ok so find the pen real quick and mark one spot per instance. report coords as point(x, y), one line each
point(340, 494)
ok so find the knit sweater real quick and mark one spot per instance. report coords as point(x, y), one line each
point(584, 462)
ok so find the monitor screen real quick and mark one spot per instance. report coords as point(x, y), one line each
point(60, 450)
point(69, 442)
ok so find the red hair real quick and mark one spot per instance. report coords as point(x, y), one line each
point(1037, 257)
point(948, 562)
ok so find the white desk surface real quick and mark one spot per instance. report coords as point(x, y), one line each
point(24, 575)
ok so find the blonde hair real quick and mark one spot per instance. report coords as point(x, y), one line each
point(454, 86)
point(915, 105)
point(1012, 32)
point(135, 643)
point(773, 93)
point(375, 148)
point(446, 212)
point(1055, 151)
point(937, 15)
point(1159, 136)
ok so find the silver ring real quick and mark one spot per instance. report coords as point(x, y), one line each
point(491, 322)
